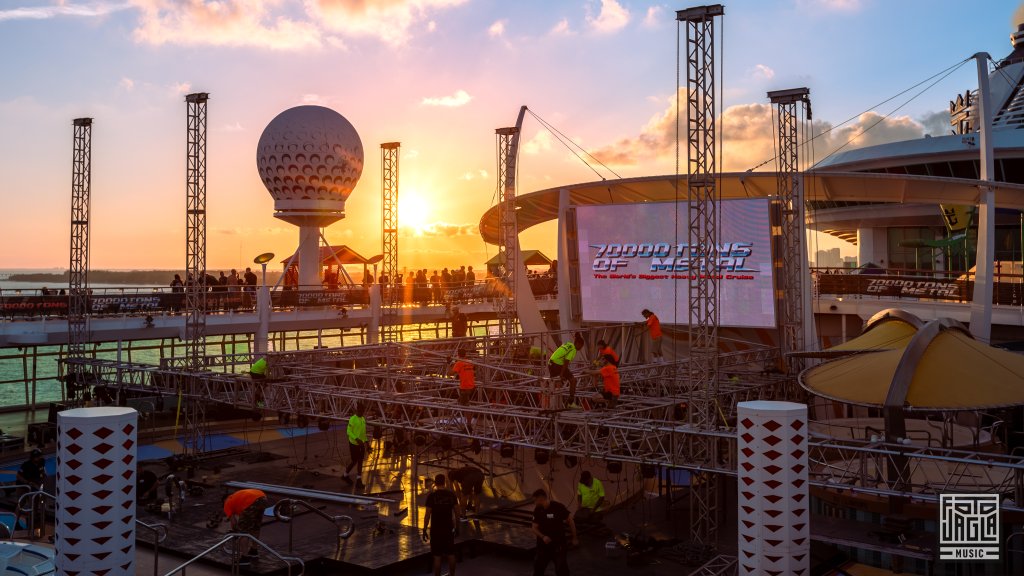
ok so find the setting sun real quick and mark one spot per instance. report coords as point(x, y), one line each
point(413, 210)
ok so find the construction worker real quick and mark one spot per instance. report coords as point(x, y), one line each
point(589, 497)
point(558, 365)
point(443, 509)
point(549, 521)
point(603, 349)
point(244, 509)
point(467, 383)
point(356, 430)
point(610, 382)
point(468, 483)
point(653, 326)
point(259, 368)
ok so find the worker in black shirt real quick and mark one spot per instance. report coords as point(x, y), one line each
point(468, 483)
point(549, 521)
point(33, 474)
point(439, 522)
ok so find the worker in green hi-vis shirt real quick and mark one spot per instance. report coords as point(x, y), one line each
point(356, 446)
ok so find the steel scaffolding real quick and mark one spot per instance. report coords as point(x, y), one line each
point(78, 277)
point(404, 386)
point(702, 283)
point(790, 264)
point(195, 265)
point(391, 303)
point(507, 141)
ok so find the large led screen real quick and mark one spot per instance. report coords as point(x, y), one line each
point(636, 256)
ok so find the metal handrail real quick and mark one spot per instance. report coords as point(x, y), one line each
point(30, 510)
point(345, 525)
point(159, 535)
point(288, 561)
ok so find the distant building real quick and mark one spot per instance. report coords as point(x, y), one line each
point(828, 258)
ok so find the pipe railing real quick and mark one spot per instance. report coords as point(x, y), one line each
point(285, 512)
point(33, 498)
point(233, 540)
point(159, 532)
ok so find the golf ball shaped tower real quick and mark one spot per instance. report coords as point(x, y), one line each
point(310, 159)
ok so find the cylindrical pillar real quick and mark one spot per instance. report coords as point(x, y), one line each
point(373, 329)
point(309, 256)
point(95, 531)
point(774, 525)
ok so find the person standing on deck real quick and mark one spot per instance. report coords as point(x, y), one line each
point(439, 524)
point(653, 326)
point(356, 446)
point(549, 521)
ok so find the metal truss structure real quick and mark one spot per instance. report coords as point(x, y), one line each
point(507, 141)
point(791, 262)
point(391, 301)
point(195, 265)
point(702, 284)
point(404, 386)
point(78, 277)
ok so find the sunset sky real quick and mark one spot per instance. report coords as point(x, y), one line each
point(437, 75)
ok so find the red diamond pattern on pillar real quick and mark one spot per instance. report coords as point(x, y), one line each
point(102, 494)
point(73, 494)
point(772, 469)
point(773, 572)
point(799, 541)
point(102, 510)
point(72, 525)
point(799, 482)
point(773, 484)
point(772, 542)
point(747, 523)
point(773, 527)
point(772, 439)
point(103, 572)
point(103, 478)
point(103, 463)
point(773, 513)
point(748, 568)
point(73, 541)
point(773, 558)
point(797, 438)
point(746, 423)
point(74, 433)
point(748, 495)
point(73, 479)
point(797, 468)
point(772, 425)
point(797, 424)
point(800, 572)
point(128, 459)
point(100, 555)
point(748, 554)
point(747, 466)
point(799, 527)
point(773, 498)
point(747, 538)
point(102, 539)
point(748, 509)
point(128, 429)
point(74, 464)
point(799, 512)
point(127, 474)
point(747, 437)
point(798, 497)
point(73, 510)
point(74, 449)
point(127, 489)
point(103, 448)
point(747, 452)
point(102, 432)
point(798, 453)
point(772, 455)
point(748, 480)
point(127, 444)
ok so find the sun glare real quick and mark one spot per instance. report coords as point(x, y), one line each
point(413, 210)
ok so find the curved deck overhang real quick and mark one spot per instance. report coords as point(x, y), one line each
point(542, 206)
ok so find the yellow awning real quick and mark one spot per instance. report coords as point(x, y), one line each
point(887, 330)
point(956, 372)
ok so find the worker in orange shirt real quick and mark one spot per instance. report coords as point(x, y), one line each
point(603, 349)
point(653, 326)
point(244, 509)
point(467, 382)
point(609, 373)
